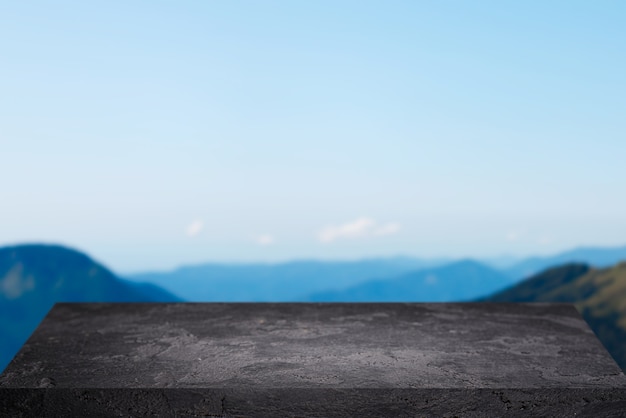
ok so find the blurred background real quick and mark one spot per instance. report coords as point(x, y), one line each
point(312, 151)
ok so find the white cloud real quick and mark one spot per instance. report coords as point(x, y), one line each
point(354, 229)
point(265, 239)
point(194, 228)
point(514, 235)
point(545, 240)
point(359, 228)
point(388, 229)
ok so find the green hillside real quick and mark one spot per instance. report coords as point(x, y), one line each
point(599, 295)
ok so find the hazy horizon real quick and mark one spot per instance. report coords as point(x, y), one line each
point(152, 134)
point(501, 261)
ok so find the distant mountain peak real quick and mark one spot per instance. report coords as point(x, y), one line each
point(458, 281)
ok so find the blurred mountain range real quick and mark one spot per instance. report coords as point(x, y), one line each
point(310, 280)
point(283, 282)
point(34, 277)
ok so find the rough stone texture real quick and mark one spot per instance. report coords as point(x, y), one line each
point(313, 359)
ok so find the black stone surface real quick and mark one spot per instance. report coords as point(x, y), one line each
point(313, 359)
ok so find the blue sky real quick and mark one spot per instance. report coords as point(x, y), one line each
point(153, 134)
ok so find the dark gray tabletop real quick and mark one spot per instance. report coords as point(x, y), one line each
point(242, 354)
